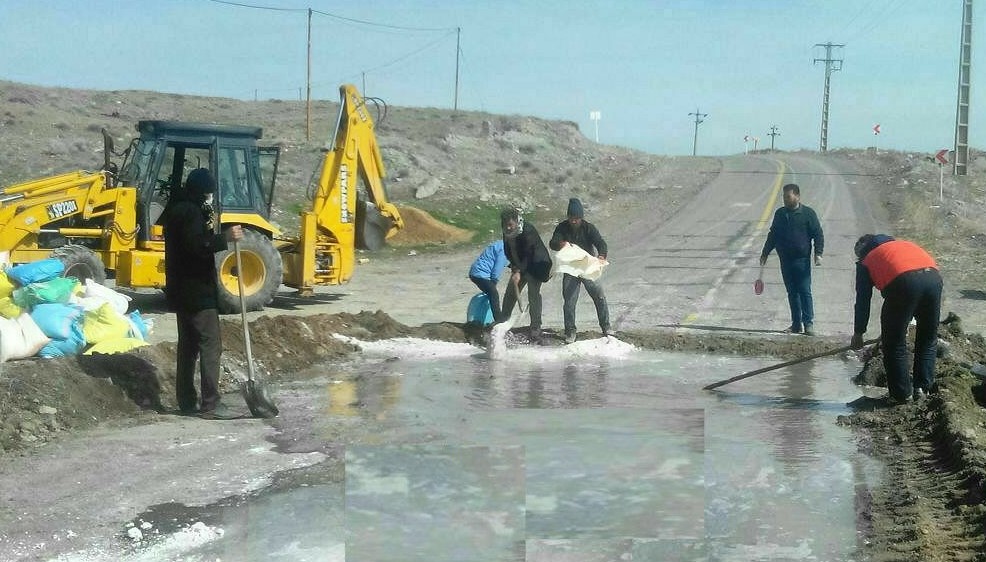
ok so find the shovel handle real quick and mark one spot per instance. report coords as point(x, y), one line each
point(517, 293)
point(785, 364)
point(243, 318)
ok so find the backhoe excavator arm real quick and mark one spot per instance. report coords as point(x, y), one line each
point(340, 220)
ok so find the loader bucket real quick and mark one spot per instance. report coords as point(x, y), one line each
point(371, 227)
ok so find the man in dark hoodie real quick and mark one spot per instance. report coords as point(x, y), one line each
point(908, 278)
point(582, 233)
point(191, 241)
point(530, 265)
point(794, 232)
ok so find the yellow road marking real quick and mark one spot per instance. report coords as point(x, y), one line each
point(765, 216)
point(772, 201)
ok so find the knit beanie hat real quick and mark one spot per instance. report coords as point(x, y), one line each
point(574, 208)
point(200, 181)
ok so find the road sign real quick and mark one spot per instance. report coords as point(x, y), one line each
point(876, 129)
point(942, 156)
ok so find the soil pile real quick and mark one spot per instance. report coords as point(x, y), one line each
point(422, 229)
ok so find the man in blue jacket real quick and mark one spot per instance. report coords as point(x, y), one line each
point(485, 273)
point(796, 234)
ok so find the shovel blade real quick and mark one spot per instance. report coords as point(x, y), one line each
point(258, 399)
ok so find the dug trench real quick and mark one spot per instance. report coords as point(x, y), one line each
point(930, 506)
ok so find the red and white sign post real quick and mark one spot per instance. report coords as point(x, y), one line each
point(942, 158)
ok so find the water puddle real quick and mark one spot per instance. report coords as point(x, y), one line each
point(592, 451)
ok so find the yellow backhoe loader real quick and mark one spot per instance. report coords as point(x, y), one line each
point(106, 222)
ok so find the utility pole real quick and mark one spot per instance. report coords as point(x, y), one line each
point(773, 133)
point(962, 108)
point(831, 65)
point(308, 105)
point(455, 102)
point(698, 119)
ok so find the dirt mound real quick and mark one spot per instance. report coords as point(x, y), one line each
point(420, 229)
point(41, 398)
point(935, 451)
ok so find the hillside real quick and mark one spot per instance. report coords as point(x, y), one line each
point(461, 166)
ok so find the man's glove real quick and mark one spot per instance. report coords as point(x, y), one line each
point(818, 259)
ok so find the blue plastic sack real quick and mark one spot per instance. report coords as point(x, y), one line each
point(137, 322)
point(36, 272)
point(56, 319)
point(479, 311)
point(72, 345)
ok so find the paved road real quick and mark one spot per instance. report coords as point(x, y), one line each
point(696, 269)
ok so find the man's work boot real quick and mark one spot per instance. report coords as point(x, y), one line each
point(919, 394)
point(220, 412)
point(570, 337)
point(809, 329)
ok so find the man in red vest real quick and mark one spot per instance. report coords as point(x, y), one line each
point(908, 278)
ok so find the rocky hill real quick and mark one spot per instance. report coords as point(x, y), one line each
point(460, 166)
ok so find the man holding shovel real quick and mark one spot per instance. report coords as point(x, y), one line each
point(908, 278)
point(530, 265)
point(191, 242)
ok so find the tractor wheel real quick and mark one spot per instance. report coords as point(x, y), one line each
point(262, 270)
point(81, 262)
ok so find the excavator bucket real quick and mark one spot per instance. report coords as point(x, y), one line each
point(371, 227)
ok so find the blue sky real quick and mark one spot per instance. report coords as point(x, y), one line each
point(645, 65)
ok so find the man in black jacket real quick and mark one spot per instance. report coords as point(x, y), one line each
point(191, 242)
point(530, 265)
point(582, 233)
point(794, 232)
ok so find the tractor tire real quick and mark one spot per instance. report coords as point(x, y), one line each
point(262, 270)
point(81, 262)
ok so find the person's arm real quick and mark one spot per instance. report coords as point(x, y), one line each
point(499, 264)
point(596, 240)
point(558, 238)
point(769, 243)
point(864, 293)
point(817, 237)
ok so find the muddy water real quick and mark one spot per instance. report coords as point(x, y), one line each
point(593, 451)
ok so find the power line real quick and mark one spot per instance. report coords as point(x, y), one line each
point(400, 27)
point(880, 18)
point(271, 8)
point(410, 54)
point(330, 15)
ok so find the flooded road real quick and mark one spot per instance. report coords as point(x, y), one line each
point(589, 452)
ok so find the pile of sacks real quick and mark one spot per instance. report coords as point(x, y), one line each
point(43, 313)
